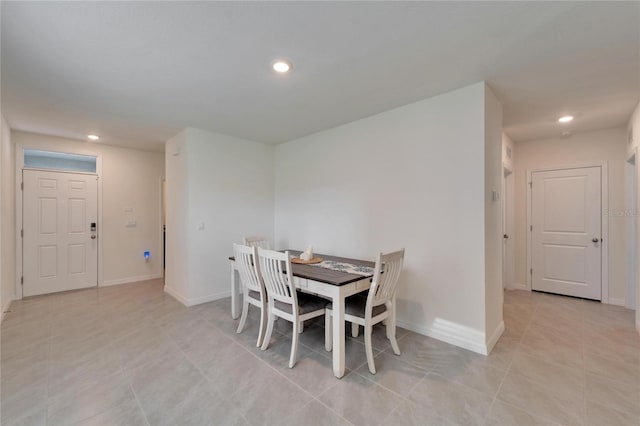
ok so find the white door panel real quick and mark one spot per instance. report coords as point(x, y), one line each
point(59, 252)
point(566, 217)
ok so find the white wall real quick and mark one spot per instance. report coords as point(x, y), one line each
point(7, 217)
point(411, 177)
point(220, 189)
point(494, 292)
point(604, 145)
point(130, 179)
point(508, 145)
point(633, 143)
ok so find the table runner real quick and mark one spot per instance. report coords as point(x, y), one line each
point(346, 267)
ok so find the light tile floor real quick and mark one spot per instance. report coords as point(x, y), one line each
point(132, 355)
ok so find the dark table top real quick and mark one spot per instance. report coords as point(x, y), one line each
point(324, 275)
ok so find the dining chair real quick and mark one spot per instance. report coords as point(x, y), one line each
point(256, 241)
point(284, 301)
point(246, 259)
point(376, 307)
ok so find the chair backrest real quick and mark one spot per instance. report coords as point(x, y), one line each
point(385, 278)
point(247, 266)
point(275, 268)
point(257, 241)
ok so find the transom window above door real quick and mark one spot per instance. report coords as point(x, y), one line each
point(50, 160)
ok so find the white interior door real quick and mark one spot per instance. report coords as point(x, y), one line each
point(60, 249)
point(566, 216)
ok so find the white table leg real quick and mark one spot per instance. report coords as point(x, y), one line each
point(235, 292)
point(338, 335)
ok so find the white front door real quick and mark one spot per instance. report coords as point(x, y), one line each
point(60, 249)
point(566, 216)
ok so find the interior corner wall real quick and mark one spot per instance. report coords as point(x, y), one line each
point(7, 217)
point(608, 145)
point(494, 292)
point(411, 177)
point(131, 191)
point(176, 280)
point(229, 195)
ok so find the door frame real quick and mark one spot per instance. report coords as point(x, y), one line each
point(163, 219)
point(508, 245)
point(631, 203)
point(604, 176)
point(18, 178)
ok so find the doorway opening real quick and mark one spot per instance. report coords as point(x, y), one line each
point(508, 228)
point(163, 222)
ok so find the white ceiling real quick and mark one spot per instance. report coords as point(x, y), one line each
point(138, 72)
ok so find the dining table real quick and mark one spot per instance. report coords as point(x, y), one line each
point(332, 284)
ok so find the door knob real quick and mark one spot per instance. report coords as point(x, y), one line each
point(505, 236)
point(93, 237)
point(595, 240)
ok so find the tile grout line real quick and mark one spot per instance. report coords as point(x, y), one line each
point(508, 369)
point(261, 361)
point(526, 409)
point(144, 415)
point(295, 384)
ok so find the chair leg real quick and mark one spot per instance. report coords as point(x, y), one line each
point(267, 336)
point(294, 343)
point(369, 348)
point(355, 329)
point(301, 328)
point(263, 325)
point(245, 311)
point(328, 332)
point(391, 332)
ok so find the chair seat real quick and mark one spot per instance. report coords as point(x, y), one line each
point(355, 306)
point(254, 294)
point(306, 303)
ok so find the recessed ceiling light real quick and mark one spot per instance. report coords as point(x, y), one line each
point(281, 66)
point(93, 137)
point(565, 119)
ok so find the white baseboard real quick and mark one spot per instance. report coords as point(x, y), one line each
point(617, 302)
point(495, 336)
point(197, 300)
point(5, 309)
point(209, 298)
point(516, 286)
point(130, 280)
point(176, 295)
point(450, 332)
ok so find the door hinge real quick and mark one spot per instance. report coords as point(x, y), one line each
point(22, 186)
point(22, 233)
point(531, 228)
point(531, 271)
point(21, 280)
point(531, 184)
